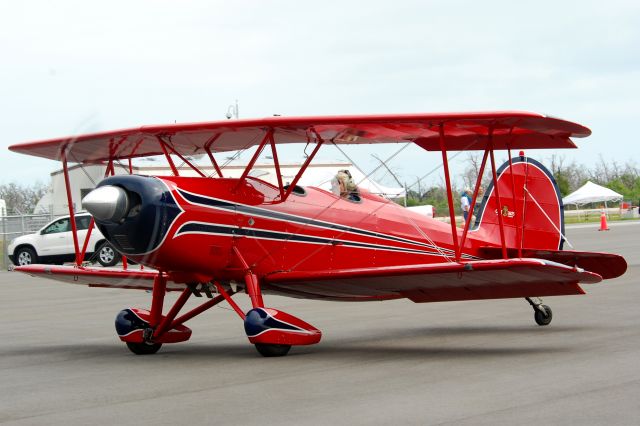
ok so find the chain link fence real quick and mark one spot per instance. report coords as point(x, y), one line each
point(15, 226)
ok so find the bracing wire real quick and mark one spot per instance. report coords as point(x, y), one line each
point(548, 218)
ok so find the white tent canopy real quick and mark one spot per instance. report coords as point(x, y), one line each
point(591, 193)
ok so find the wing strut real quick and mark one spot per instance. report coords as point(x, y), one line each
point(167, 156)
point(207, 148)
point(276, 163)
point(495, 180)
point(72, 216)
point(185, 161)
point(254, 158)
point(92, 223)
point(452, 217)
point(110, 171)
point(295, 180)
point(513, 193)
point(475, 196)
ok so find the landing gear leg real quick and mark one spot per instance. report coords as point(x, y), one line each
point(273, 332)
point(265, 349)
point(144, 331)
point(541, 313)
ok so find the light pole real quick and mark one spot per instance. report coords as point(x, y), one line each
point(232, 111)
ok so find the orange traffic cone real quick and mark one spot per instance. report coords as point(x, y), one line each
point(603, 222)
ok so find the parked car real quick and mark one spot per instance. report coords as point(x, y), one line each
point(54, 244)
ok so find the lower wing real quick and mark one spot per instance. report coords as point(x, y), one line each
point(98, 277)
point(485, 279)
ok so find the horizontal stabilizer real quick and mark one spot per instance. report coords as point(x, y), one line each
point(606, 265)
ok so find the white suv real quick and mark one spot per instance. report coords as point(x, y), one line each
point(54, 244)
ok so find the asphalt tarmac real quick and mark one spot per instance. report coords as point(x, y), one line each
point(463, 363)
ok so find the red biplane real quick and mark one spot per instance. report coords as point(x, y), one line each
point(218, 236)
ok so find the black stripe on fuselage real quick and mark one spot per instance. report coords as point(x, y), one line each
point(208, 228)
point(270, 214)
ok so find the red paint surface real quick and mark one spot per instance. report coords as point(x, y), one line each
point(465, 131)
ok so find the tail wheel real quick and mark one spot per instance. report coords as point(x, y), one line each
point(543, 319)
point(107, 255)
point(144, 348)
point(272, 350)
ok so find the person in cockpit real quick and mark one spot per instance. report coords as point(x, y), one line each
point(344, 186)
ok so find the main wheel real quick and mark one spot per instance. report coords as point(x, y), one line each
point(25, 256)
point(543, 319)
point(144, 348)
point(107, 255)
point(272, 350)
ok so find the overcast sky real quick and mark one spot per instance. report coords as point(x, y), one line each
point(78, 66)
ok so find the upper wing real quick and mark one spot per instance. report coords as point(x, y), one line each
point(98, 277)
point(486, 279)
point(463, 131)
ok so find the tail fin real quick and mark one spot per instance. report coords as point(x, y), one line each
point(530, 205)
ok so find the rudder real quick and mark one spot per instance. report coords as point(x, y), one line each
point(530, 206)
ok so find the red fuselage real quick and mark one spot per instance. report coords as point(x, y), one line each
point(313, 231)
point(201, 229)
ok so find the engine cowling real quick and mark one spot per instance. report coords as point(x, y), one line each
point(133, 212)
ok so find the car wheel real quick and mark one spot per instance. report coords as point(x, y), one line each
point(107, 255)
point(25, 256)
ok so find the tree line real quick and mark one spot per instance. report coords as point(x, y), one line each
point(22, 198)
point(570, 175)
point(621, 178)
